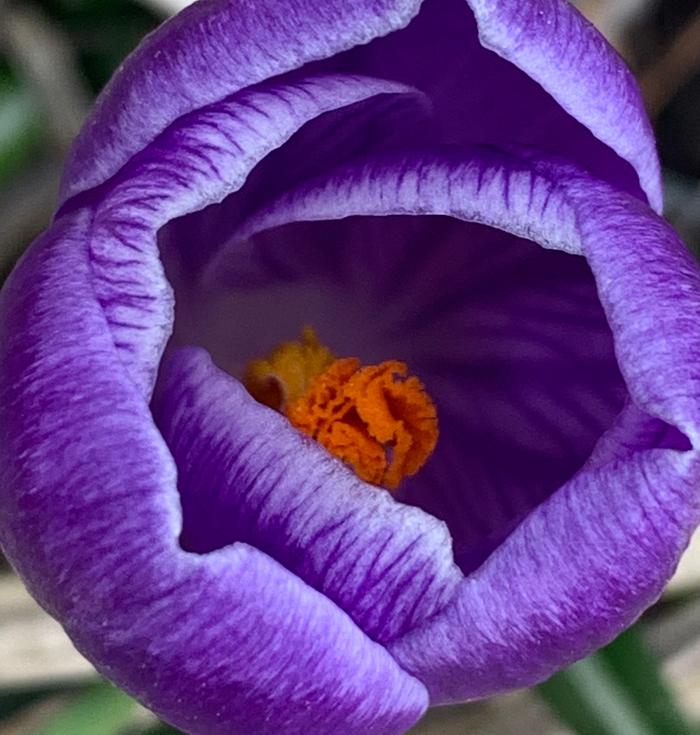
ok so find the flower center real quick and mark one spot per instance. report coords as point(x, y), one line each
point(376, 418)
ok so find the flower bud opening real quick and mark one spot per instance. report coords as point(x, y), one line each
point(376, 418)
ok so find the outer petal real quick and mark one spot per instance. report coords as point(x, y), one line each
point(575, 573)
point(222, 643)
point(217, 47)
point(245, 474)
point(209, 51)
point(196, 162)
point(552, 43)
point(588, 560)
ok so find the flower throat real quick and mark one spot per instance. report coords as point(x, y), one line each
point(375, 418)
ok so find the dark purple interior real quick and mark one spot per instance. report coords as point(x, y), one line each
point(509, 338)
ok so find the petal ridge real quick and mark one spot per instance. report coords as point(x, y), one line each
point(246, 474)
point(209, 51)
point(207, 156)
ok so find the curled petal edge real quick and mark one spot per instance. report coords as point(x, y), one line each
point(555, 45)
point(205, 157)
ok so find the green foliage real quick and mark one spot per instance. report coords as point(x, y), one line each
point(101, 709)
point(12, 703)
point(617, 691)
point(21, 124)
point(102, 32)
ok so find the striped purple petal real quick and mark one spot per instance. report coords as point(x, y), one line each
point(590, 551)
point(206, 156)
point(246, 475)
point(251, 169)
point(209, 51)
point(590, 106)
point(224, 642)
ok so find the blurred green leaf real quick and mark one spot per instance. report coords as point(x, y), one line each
point(617, 691)
point(634, 664)
point(587, 698)
point(101, 709)
point(103, 32)
point(21, 126)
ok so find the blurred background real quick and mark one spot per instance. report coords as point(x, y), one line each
point(55, 56)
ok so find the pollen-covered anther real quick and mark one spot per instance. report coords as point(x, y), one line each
point(376, 419)
point(288, 372)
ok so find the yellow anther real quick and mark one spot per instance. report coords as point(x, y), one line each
point(288, 372)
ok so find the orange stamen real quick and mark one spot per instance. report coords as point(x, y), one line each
point(376, 419)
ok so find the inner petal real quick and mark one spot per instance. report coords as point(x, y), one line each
point(488, 99)
point(245, 475)
point(509, 339)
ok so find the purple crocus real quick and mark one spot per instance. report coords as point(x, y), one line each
point(469, 187)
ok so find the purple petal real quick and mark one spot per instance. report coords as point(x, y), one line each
point(196, 162)
point(552, 43)
point(208, 52)
point(588, 561)
point(531, 73)
point(216, 48)
point(510, 339)
point(472, 184)
point(650, 288)
point(590, 558)
point(573, 575)
point(245, 474)
point(226, 642)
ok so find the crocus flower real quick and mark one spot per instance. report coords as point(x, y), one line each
point(468, 188)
